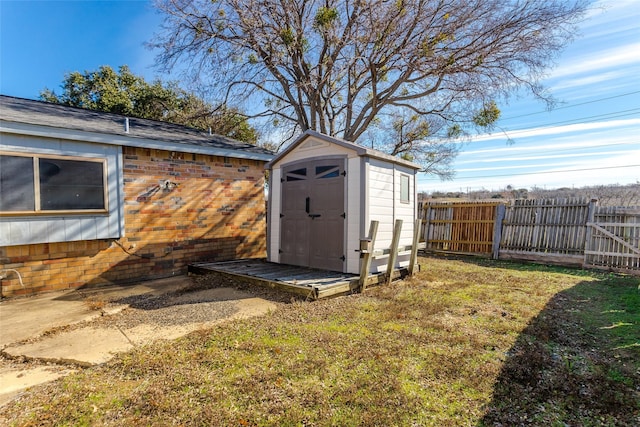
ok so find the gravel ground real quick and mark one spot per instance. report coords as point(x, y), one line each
point(201, 302)
point(195, 303)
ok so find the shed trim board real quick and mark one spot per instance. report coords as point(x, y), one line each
point(372, 187)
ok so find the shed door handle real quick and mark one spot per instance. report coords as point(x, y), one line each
point(307, 205)
point(314, 216)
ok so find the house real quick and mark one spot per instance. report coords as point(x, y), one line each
point(92, 198)
point(323, 194)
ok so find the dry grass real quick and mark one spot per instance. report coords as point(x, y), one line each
point(465, 342)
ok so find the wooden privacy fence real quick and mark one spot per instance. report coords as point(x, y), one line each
point(460, 227)
point(546, 230)
point(558, 231)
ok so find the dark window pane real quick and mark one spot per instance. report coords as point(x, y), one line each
point(71, 184)
point(16, 184)
point(322, 169)
point(297, 175)
point(328, 171)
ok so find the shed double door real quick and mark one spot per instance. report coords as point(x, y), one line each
point(313, 215)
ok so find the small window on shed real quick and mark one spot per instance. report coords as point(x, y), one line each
point(330, 171)
point(297, 175)
point(404, 188)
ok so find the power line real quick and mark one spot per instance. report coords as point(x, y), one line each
point(545, 172)
point(612, 115)
point(573, 105)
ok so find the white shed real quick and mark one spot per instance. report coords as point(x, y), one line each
point(323, 194)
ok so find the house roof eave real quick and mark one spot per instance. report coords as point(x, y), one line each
point(42, 131)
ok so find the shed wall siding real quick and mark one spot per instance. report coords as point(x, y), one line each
point(216, 212)
point(385, 206)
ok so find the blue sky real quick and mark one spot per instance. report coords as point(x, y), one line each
point(591, 138)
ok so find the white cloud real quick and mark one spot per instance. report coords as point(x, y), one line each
point(527, 158)
point(611, 77)
point(617, 57)
point(557, 130)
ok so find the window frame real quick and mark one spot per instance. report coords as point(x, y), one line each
point(38, 211)
point(405, 179)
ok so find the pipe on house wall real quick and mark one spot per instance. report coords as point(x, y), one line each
point(4, 275)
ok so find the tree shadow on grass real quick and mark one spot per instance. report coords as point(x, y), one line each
point(578, 362)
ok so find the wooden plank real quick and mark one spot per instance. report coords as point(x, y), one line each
point(497, 230)
point(365, 264)
point(394, 249)
point(301, 276)
point(556, 259)
point(614, 237)
point(341, 289)
point(461, 221)
point(299, 290)
point(272, 274)
point(589, 243)
point(617, 224)
point(612, 254)
point(414, 250)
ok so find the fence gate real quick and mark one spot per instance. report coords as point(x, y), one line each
point(613, 240)
point(460, 227)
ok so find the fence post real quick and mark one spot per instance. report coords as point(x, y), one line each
point(591, 215)
point(393, 255)
point(368, 255)
point(425, 219)
point(414, 245)
point(497, 230)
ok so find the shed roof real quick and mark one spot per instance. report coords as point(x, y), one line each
point(38, 118)
point(359, 149)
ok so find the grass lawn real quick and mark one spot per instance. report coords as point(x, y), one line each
point(466, 342)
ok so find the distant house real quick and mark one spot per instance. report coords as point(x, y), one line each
point(323, 194)
point(96, 198)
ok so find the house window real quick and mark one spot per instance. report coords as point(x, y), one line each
point(404, 188)
point(51, 184)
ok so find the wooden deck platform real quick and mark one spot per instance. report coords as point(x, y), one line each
point(312, 283)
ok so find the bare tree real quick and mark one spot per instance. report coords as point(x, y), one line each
point(341, 67)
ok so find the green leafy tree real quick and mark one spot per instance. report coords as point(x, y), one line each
point(125, 93)
point(345, 67)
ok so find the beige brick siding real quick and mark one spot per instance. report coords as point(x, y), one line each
point(216, 212)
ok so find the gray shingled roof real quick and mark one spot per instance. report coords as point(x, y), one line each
point(141, 131)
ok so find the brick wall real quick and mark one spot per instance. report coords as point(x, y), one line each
point(215, 211)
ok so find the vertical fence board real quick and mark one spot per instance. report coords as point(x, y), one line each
point(466, 227)
point(559, 231)
point(613, 240)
